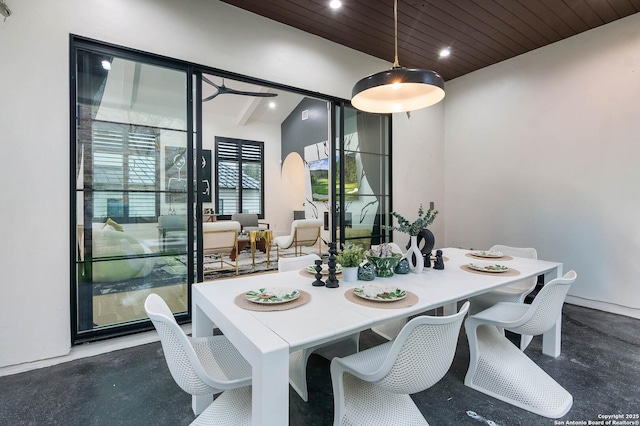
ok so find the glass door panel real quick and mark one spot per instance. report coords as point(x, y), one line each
point(132, 189)
point(363, 176)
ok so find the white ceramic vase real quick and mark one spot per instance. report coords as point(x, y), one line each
point(414, 256)
point(350, 274)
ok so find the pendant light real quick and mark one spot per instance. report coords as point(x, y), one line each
point(398, 89)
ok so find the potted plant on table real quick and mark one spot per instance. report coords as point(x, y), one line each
point(414, 255)
point(350, 257)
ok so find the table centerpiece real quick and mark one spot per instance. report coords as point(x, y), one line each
point(414, 229)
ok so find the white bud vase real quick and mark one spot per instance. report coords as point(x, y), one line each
point(414, 256)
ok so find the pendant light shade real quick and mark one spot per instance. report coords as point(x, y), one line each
point(398, 89)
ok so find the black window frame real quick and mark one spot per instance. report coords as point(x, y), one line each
point(241, 151)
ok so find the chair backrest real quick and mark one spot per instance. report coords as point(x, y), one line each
point(546, 307)
point(245, 219)
point(422, 353)
point(181, 358)
point(172, 221)
point(306, 231)
point(219, 236)
point(528, 284)
point(293, 263)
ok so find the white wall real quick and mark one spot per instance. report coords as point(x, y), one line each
point(418, 167)
point(277, 210)
point(543, 150)
point(34, 127)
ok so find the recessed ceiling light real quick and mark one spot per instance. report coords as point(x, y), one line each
point(272, 105)
point(445, 52)
point(106, 65)
point(335, 4)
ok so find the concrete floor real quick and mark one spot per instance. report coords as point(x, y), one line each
point(599, 366)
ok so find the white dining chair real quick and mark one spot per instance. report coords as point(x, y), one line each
point(501, 370)
point(373, 386)
point(295, 263)
point(298, 360)
point(515, 292)
point(204, 366)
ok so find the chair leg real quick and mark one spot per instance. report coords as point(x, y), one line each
point(524, 341)
point(298, 361)
point(237, 255)
point(298, 372)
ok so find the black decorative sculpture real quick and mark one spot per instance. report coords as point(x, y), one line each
point(332, 281)
point(439, 262)
point(318, 282)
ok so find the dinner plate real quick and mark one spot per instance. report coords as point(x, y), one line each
point(487, 253)
point(379, 293)
point(272, 295)
point(325, 269)
point(488, 267)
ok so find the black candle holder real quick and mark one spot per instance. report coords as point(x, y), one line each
point(427, 259)
point(332, 281)
point(318, 282)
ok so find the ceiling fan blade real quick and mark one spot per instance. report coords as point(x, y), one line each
point(222, 89)
point(256, 94)
point(205, 79)
point(208, 98)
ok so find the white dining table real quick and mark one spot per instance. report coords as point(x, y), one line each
point(265, 339)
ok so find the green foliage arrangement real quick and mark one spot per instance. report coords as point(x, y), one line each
point(350, 256)
point(413, 228)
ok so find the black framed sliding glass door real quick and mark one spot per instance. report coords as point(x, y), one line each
point(133, 147)
point(362, 176)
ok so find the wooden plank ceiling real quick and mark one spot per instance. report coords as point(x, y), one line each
point(478, 32)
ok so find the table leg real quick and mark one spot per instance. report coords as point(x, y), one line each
point(253, 252)
point(270, 388)
point(551, 340)
point(551, 344)
point(449, 309)
point(201, 326)
point(268, 247)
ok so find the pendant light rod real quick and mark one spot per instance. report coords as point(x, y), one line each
point(398, 89)
point(396, 63)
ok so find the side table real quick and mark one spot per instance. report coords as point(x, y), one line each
point(255, 236)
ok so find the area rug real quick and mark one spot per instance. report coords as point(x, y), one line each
point(172, 270)
point(245, 265)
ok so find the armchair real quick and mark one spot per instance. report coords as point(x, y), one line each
point(304, 233)
point(249, 222)
point(221, 238)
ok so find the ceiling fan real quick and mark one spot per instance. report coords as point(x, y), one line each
point(222, 89)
